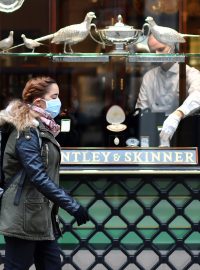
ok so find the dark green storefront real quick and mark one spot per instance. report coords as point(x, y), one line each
point(134, 216)
point(142, 217)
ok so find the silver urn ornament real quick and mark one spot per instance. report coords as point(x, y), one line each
point(120, 35)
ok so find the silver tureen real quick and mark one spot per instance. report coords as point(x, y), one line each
point(120, 35)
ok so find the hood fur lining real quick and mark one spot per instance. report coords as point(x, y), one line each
point(19, 114)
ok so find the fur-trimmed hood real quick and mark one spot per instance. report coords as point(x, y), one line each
point(19, 114)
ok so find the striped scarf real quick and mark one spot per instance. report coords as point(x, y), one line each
point(47, 120)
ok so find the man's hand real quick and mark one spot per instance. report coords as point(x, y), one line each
point(169, 127)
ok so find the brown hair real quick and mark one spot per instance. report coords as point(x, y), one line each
point(36, 88)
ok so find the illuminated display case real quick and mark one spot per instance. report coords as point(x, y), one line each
point(143, 216)
point(93, 78)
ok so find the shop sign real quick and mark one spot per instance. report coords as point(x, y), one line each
point(149, 156)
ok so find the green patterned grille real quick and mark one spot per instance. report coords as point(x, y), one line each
point(147, 222)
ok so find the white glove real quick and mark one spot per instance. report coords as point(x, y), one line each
point(169, 127)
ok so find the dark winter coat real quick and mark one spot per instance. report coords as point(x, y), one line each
point(35, 150)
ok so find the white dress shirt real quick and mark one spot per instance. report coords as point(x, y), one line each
point(160, 89)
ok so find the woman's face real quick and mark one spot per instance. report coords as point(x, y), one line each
point(53, 93)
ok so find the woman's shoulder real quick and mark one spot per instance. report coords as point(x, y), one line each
point(18, 114)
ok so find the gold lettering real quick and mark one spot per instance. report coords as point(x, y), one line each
point(155, 156)
point(106, 155)
point(85, 158)
point(189, 157)
point(146, 157)
point(137, 156)
point(178, 157)
point(167, 157)
point(65, 156)
point(75, 154)
point(127, 157)
point(95, 157)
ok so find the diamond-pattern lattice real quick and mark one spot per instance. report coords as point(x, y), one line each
point(147, 259)
point(137, 222)
point(115, 227)
point(163, 241)
point(163, 211)
point(147, 195)
point(115, 259)
point(131, 211)
point(131, 242)
point(192, 211)
point(179, 227)
point(179, 195)
point(147, 227)
point(100, 241)
point(183, 259)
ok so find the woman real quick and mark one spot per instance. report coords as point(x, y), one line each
point(31, 158)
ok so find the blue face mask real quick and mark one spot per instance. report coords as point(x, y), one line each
point(53, 107)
